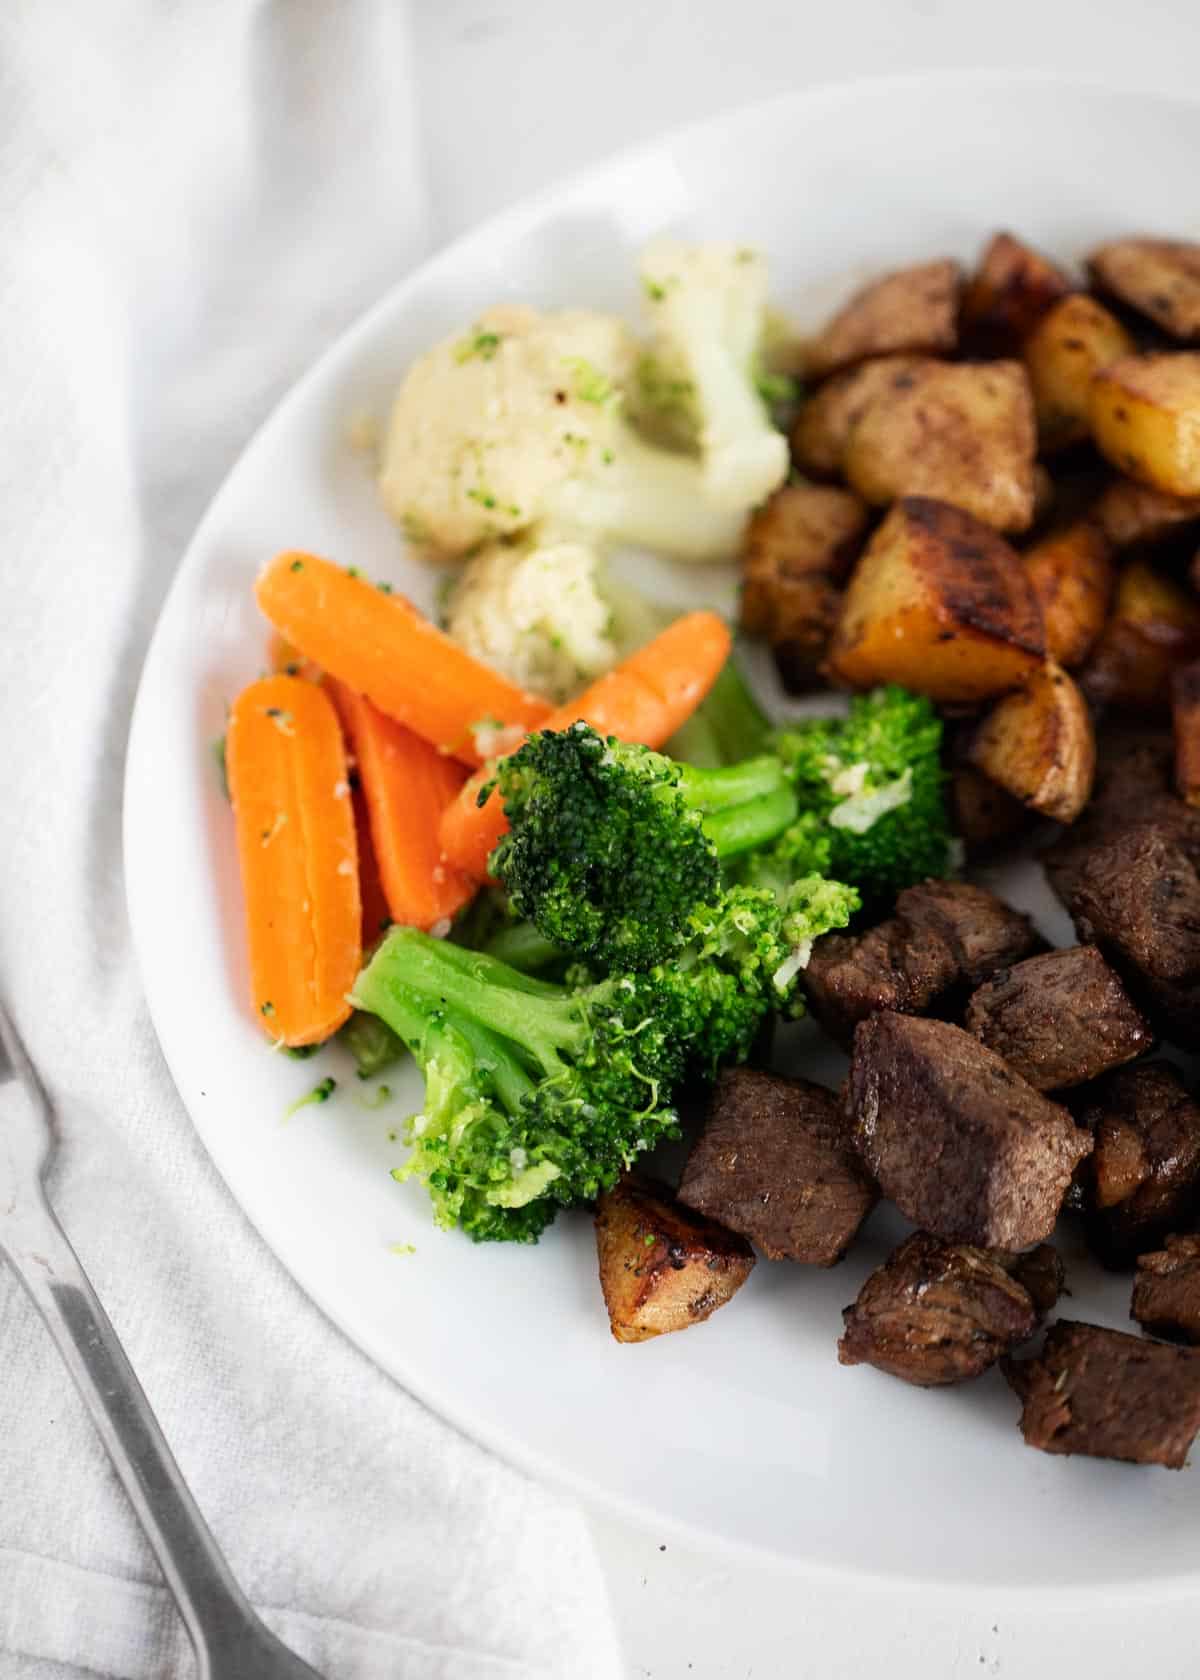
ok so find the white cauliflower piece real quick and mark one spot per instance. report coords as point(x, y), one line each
point(533, 610)
point(708, 309)
point(520, 422)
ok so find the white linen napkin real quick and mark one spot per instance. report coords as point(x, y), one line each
point(193, 197)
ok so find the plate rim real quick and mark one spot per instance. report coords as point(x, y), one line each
point(508, 221)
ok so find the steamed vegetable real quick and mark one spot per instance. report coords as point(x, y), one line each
point(537, 1095)
point(645, 699)
point(379, 645)
point(290, 787)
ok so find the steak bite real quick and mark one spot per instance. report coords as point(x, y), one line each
point(776, 1163)
point(1059, 1019)
point(965, 1147)
point(1042, 1273)
point(937, 1313)
point(1143, 1179)
point(1109, 1395)
point(1166, 1292)
point(944, 938)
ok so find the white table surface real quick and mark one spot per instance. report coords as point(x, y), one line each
point(548, 87)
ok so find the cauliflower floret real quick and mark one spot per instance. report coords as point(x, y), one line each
point(533, 610)
point(708, 309)
point(521, 422)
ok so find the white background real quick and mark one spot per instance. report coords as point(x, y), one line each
point(512, 97)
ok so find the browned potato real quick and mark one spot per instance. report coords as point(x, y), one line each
point(1155, 627)
point(912, 309)
point(1072, 573)
point(1038, 744)
point(797, 547)
point(958, 432)
point(941, 604)
point(1129, 512)
point(827, 418)
point(1158, 277)
point(1145, 417)
point(1008, 294)
point(982, 813)
point(663, 1267)
point(1072, 341)
point(1185, 717)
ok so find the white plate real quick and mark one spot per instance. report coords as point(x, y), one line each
point(745, 1429)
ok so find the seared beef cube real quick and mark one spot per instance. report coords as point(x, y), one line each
point(1042, 1273)
point(776, 1163)
point(1139, 897)
point(1166, 1294)
point(936, 1313)
point(981, 930)
point(662, 1267)
point(1145, 1168)
point(964, 1146)
point(1059, 1019)
point(892, 966)
point(945, 937)
point(1109, 1395)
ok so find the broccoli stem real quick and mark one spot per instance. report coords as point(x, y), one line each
point(744, 827)
point(541, 1019)
point(735, 716)
point(371, 1042)
point(696, 742)
point(710, 790)
point(522, 947)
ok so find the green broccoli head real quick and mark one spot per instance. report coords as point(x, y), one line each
point(603, 854)
point(876, 779)
point(611, 847)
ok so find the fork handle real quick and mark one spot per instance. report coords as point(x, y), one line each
point(229, 1639)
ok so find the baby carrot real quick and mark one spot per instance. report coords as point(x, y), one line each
point(406, 785)
point(381, 646)
point(376, 916)
point(644, 700)
point(295, 836)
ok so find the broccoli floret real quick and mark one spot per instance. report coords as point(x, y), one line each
point(611, 847)
point(538, 1095)
point(876, 779)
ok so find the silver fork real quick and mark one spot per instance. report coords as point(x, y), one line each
point(230, 1641)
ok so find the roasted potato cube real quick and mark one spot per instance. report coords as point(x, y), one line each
point(940, 604)
point(957, 432)
point(1185, 717)
point(981, 813)
point(1154, 627)
point(1128, 512)
point(1073, 340)
point(1038, 744)
point(796, 546)
point(912, 309)
point(1160, 278)
point(663, 1267)
point(825, 421)
point(1007, 296)
point(1145, 417)
point(1072, 573)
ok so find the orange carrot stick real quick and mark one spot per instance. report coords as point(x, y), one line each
point(376, 916)
point(295, 835)
point(381, 646)
point(406, 785)
point(289, 661)
point(644, 700)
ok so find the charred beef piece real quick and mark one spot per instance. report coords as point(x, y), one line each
point(776, 1163)
point(1042, 1273)
point(937, 1313)
point(1166, 1292)
point(1109, 1395)
point(945, 937)
point(1059, 1019)
point(1143, 1179)
point(965, 1147)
